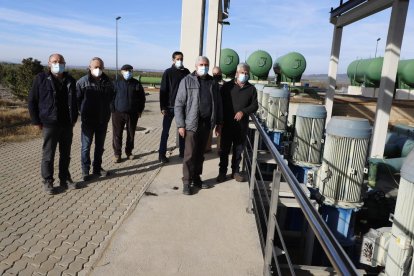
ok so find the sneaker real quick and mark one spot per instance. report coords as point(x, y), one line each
point(187, 189)
point(68, 184)
point(48, 186)
point(238, 177)
point(221, 177)
point(117, 158)
point(130, 157)
point(163, 159)
point(101, 172)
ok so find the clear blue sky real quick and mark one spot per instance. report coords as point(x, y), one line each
point(149, 31)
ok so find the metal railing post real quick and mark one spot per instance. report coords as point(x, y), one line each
point(271, 223)
point(253, 171)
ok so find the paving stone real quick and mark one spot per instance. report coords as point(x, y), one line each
point(29, 270)
point(34, 250)
point(71, 239)
point(31, 242)
point(14, 256)
point(18, 266)
point(75, 266)
point(61, 250)
point(68, 258)
point(47, 266)
point(41, 257)
point(11, 248)
point(56, 271)
point(4, 267)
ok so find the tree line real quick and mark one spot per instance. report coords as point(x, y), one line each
point(19, 77)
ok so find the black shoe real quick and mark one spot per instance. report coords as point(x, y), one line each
point(101, 172)
point(163, 159)
point(197, 181)
point(221, 177)
point(48, 186)
point(86, 176)
point(68, 184)
point(187, 189)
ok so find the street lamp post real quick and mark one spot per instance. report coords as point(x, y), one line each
point(376, 47)
point(116, 20)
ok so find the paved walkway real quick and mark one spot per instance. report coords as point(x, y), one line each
point(66, 234)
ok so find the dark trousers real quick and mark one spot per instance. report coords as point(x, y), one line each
point(166, 125)
point(119, 120)
point(88, 132)
point(195, 145)
point(51, 137)
point(233, 134)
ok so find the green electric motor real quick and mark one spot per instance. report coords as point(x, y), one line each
point(228, 62)
point(260, 63)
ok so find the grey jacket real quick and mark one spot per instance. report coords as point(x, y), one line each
point(186, 109)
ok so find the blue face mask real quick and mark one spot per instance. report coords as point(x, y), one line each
point(127, 74)
point(202, 70)
point(57, 68)
point(242, 78)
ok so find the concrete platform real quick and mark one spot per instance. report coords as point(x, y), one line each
point(208, 233)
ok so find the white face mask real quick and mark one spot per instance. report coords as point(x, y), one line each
point(179, 63)
point(97, 72)
point(57, 68)
point(202, 70)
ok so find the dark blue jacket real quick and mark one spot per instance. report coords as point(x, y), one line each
point(43, 101)
point(94, 99)
point(129, 96)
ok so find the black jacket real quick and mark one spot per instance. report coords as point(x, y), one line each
point(169, 85)
point(42, 100)
point(94, 99)
point(129, 96)
point(237, 99)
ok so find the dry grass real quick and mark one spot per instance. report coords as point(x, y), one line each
point(15, 122)
point(19, 134)
point(10, 117)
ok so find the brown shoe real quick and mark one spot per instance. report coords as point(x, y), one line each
point(239, 177)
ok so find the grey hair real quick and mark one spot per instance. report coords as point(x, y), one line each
point(200, 58)
point(98, 59)
point(56, 54)
point(243, 66)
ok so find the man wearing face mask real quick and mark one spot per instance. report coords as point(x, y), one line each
point(239, 101)
point(197, 110)
point(127, 107)
point(168, 92)
point(53, 108)
point(95, 93)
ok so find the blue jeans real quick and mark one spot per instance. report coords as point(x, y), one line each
point(166, 125)
point(86, 138)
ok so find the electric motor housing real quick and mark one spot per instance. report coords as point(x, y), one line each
point(340, 178)
point(308, 136)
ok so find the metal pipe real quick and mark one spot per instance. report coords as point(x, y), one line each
point(116, 20)
point(253, 171)
point(338, 258)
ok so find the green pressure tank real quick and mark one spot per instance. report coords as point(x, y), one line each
point(405, 74)
point(365, 72)
point(351, 72)
point(290, 66)
point(228, 62)
point(260, 63)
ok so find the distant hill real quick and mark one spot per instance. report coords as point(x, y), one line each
point(340, 78)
